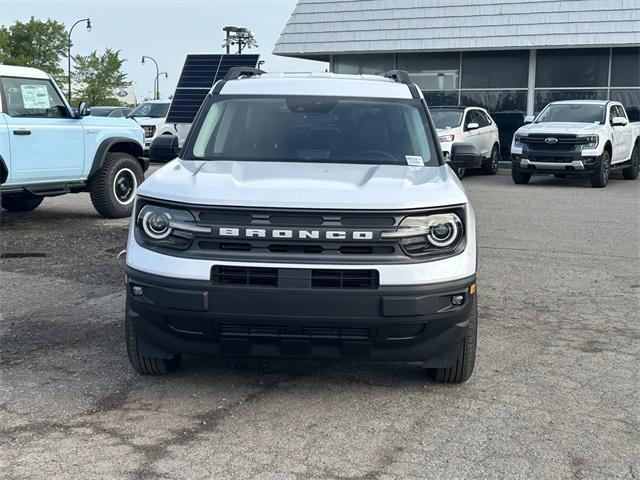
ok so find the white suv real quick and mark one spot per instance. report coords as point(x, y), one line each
point(469, 125)
point(308, 215)
point(150, 116)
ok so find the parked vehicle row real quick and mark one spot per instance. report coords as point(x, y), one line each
point(48, 149)
point(305, 215)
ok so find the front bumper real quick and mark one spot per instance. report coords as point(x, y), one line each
point(569, 163)
point(408, 323)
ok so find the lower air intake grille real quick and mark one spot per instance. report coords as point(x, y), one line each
point(344, 279)
point(296, 278)
point(226, 275)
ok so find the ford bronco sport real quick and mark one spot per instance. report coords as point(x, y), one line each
point(308, 216)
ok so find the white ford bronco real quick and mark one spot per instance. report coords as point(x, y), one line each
point(308, 216)
point(586, 138)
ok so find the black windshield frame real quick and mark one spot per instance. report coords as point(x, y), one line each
point(435, 153)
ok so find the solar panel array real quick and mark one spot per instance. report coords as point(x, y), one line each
point(199, 73)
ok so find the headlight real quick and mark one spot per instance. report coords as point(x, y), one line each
point(446, 138)
point(156, 224)
point(589, 142)
point(519, 140)
point(168, 227)
point(149, 130)
point(431, 234)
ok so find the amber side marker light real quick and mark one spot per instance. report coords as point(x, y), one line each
point(472, 289)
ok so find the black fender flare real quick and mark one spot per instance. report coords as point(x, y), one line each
point(4, 170)
point(116, 144)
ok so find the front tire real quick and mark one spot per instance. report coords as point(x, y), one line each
point(20, 202)
point(142, 364)
point(466, 359)
point(460, 172)
point(520, 178)
point(113, 188)
point(600, 178)
point(490, 166)
point(631, 172)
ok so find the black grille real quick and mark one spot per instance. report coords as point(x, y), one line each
point(344, 279)
point(564, 142)
point(311, 332)
point(301, 278)
point(245, 276)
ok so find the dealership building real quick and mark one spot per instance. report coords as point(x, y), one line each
point(511, 57)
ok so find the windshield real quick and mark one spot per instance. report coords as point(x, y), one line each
point(153, 110)
point(573, 112)
point(446, 118)
point(315, 129)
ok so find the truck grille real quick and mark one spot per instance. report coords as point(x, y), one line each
point(564, 142)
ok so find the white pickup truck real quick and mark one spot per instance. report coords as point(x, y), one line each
point(577, 138)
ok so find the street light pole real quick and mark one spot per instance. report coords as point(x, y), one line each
point(166, 75)
point(69, 51)
point(155, 82)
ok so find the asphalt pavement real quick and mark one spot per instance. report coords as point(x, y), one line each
point(555, 394)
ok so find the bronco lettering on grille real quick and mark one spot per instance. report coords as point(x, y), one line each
point(294, 234)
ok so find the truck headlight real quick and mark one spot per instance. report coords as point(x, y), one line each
point(427, 235)
point(168, 226)
point(589, 142)
point(446, 138)
point(519, 140)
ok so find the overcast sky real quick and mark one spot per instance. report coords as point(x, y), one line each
point(164, 29)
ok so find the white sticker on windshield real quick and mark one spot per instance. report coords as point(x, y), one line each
point(414, 160)
point(35, 97)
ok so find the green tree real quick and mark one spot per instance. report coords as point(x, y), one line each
point(36, 43)
point(98, 77)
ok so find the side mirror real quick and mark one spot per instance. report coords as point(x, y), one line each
point(529, 118)
point(619, 121)
point(164, 148)
point(464, 155)
point(472, 126)
point(83, 110)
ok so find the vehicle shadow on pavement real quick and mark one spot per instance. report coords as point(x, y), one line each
point(331, 372)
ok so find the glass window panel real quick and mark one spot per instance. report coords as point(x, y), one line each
point(543, 97)
point(507, 108)
point(363, 64)
point(504, 69)
point(625, 67)
point(631, 101)
point(435, 99)
point(585, 67)
point(432, 71)
point(348, 64)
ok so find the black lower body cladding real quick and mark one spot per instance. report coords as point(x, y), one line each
point(411, 323)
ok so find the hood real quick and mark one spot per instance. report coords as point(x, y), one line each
point(148, 121)
point(90, 120)
point(447, 131)
point(304, 185)
point(559, 127)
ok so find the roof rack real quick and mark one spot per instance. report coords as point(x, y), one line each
point(237, 72)
point(399, 76)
